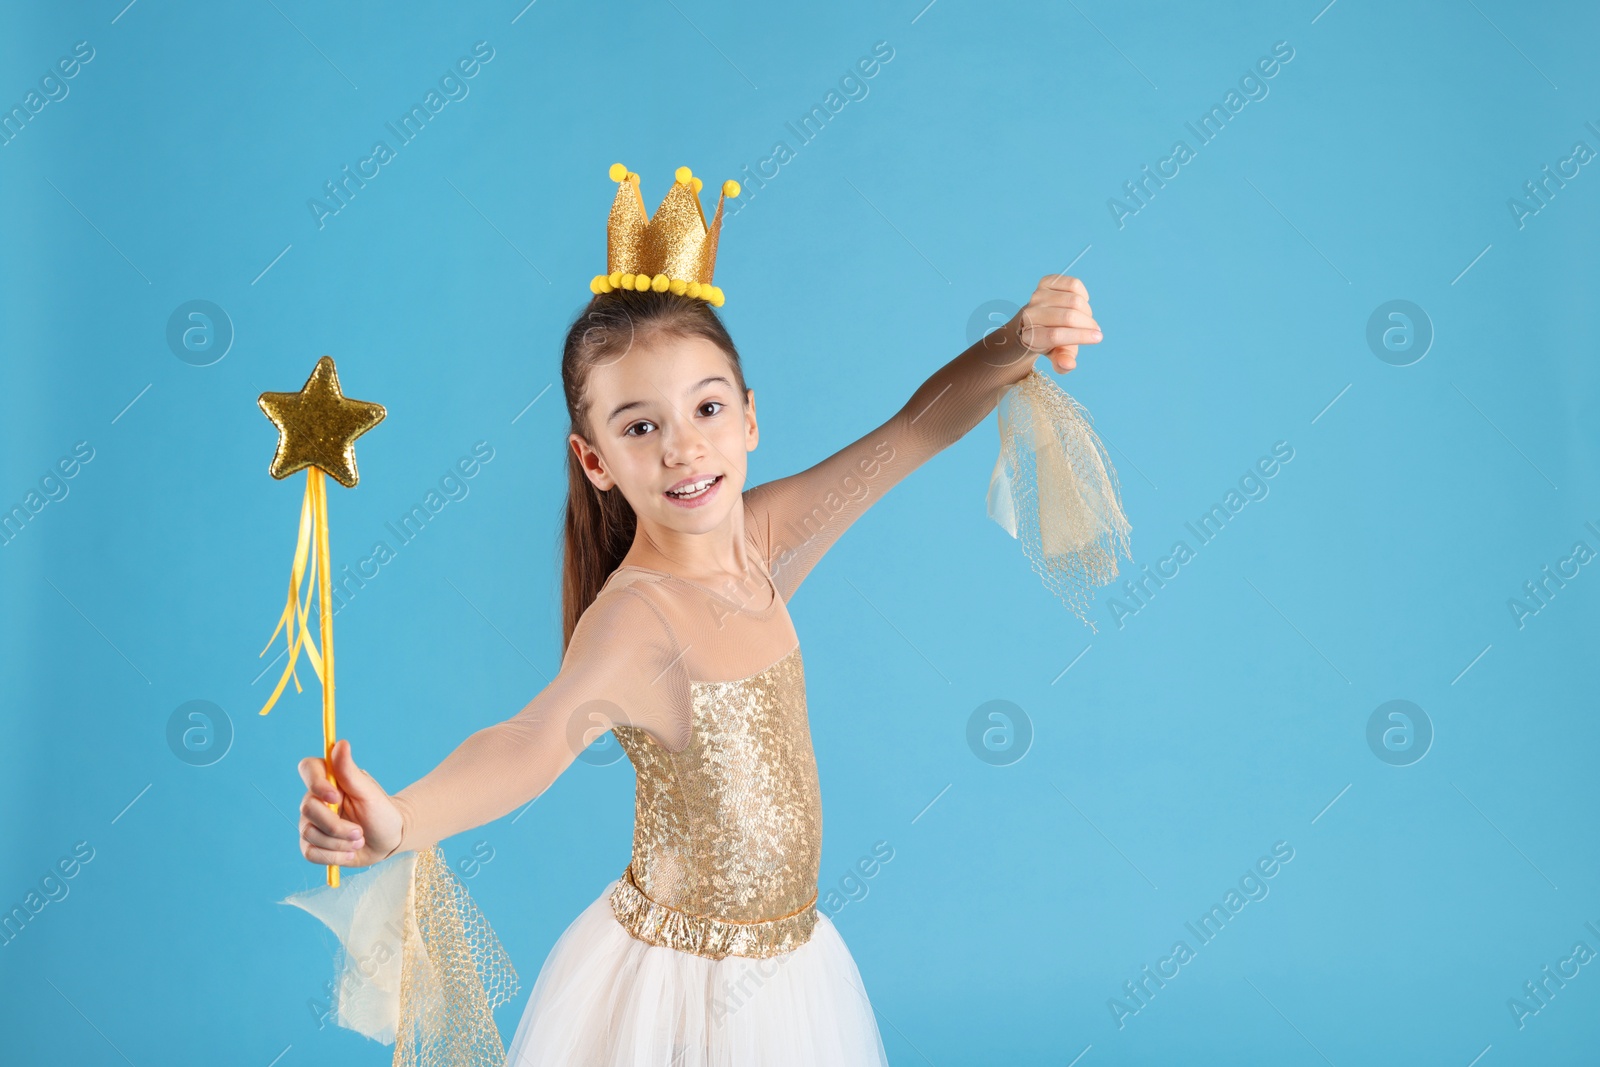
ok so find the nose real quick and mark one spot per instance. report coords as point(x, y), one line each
point(682, 442)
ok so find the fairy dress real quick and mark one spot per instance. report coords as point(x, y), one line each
point(708, 948)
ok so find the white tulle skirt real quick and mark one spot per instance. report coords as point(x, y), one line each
point(421, 969)
point(606, 999)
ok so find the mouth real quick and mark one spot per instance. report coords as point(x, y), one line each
point(694, 491)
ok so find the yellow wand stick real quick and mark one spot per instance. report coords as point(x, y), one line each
point(317, 429)
point(325, 627)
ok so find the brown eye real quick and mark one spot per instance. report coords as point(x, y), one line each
point(719, 405)
point(629, 431)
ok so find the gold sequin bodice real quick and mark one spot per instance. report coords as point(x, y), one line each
point(727, 835)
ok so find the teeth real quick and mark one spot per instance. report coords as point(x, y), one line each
point(691, 490)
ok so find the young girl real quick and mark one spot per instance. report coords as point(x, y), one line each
point(708, 948)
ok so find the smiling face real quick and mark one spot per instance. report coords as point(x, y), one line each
point(671, 431)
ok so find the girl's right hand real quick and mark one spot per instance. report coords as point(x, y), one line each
point(364, 830)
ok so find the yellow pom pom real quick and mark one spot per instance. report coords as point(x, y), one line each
point(618, 172)
point(597, 284)
point(660, 282)
point(615, 278)
point(683, 174)
point(627, 281)
point(678, 286)
point(693, 289)
point(698, 185)
point(716, 296)
point(641, 282)
point(730, 188)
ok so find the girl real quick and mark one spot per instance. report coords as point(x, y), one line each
point(708, 948)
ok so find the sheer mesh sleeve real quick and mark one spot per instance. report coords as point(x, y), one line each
point(798, 518)
point(622, 665)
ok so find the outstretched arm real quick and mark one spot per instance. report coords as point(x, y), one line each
point(798, 518)
point(621, 666)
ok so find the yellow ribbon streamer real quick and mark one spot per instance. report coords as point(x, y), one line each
point(293, 610)
point(312, 565)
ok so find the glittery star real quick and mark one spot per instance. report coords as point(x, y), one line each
point(318, 426)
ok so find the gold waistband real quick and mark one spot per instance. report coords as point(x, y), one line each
point(704, 935)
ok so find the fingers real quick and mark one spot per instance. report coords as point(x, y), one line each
point(312, 771)
point(1070, 309)
point(1065, 283)
point(1037, 317)
point(317, 814)
point(327, 857)
point(316, 780)
point(320, 848)
point(1060, 291)
point(1060, 315)
point(327, 839)
point(1043, 297)
point(1043, 338)
point(1058, 318)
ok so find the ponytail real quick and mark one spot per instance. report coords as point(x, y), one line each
point(598, 532)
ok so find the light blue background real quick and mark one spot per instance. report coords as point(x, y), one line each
point(1228, 714)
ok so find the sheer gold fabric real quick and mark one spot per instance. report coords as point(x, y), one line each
point(419, 966)
point(1055, 490)
point(454, 973)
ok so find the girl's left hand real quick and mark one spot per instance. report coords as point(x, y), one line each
point(1055, 321)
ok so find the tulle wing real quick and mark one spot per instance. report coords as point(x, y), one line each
point(1055, 490)
point(419, 967)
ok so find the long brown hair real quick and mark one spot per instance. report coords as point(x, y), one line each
point(599, 526)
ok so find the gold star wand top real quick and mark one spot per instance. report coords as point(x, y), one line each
point(317, 431)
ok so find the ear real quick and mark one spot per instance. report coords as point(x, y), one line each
point(752, 432)
point(592, 463)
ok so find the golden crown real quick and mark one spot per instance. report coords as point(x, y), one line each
point(676, 250)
